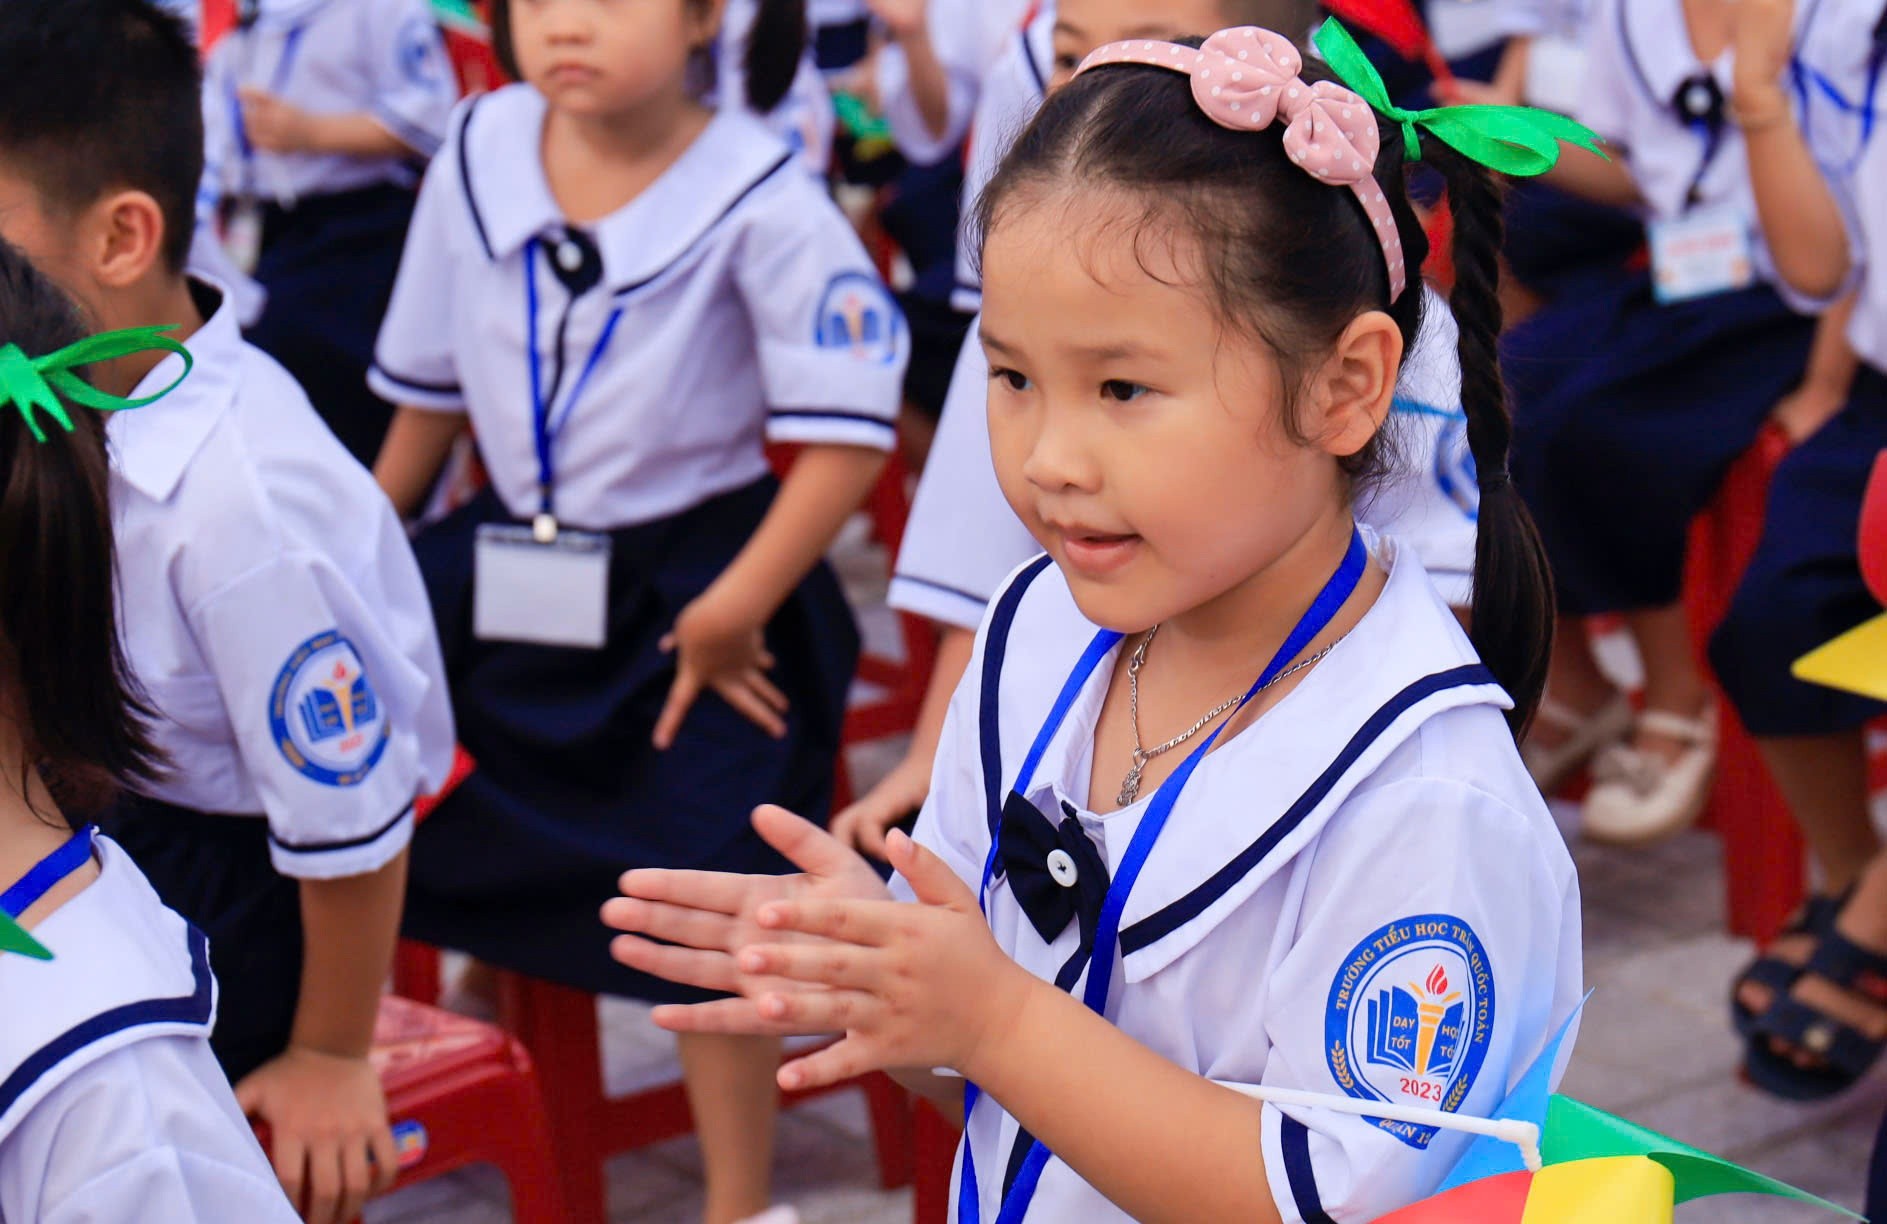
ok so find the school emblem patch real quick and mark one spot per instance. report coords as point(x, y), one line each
point(856, 313)
point(324, 714)
point(419, 52)
point(1410, 1015)
point(1455, 473)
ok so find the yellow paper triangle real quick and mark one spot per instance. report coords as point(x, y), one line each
point(1604, 1190)
point(1855, 662)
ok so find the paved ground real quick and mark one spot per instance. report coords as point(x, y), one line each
point(1655, 1046)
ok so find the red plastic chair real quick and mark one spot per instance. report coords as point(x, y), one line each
point(447, 1079)
point(558, 1026)
point(1764, 856)
point(935, 1144)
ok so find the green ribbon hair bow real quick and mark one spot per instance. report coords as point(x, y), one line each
point(34, 385)
point(1516, 140)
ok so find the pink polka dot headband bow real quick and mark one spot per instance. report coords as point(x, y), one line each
point(1246, 79)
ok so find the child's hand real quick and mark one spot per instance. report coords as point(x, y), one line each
point(910, 985)
point(898, 795)
point(276, 126)
point(903, 18)
point(723, 649)
point(704, 917)
point(329, 1141)
point(1803, 411)
point(1763, 34)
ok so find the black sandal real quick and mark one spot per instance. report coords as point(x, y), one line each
point(1817, 918)
point(1846, 1054)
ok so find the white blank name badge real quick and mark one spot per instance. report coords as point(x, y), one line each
point(554, 594)
point(1704, 252)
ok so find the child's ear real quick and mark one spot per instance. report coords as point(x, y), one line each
point(709, 14)
point(1357, 384)
point(122, 238)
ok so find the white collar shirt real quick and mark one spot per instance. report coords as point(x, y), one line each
point(746, 312)
point(385, 58)
point(112, 1106)
point(273, 612)
point(1014, 90)
point(1375, 829)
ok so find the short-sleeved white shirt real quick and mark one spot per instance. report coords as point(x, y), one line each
point(1368, 853)
point(1842, 44)
point(112, 1106)
point(384, 57)
point(1013, 91)
point(967, 36)
point(1638, 57)
point(1462, 27)
point(963, 539)
point(749, 313)
point(273, 612)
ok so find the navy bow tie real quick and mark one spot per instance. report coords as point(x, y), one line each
point(1054, 871)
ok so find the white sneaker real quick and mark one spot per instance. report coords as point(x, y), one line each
point(1639, 797)
point(774, 1215)
point(1585, 735)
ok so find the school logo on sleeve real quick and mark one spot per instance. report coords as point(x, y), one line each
point(418, 49)
point(324, 714)
point(1410, 1015)
point(857, 314)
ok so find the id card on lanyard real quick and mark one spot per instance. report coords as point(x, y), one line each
point(544, 584)
point(1100, 975)
point(1706, 250)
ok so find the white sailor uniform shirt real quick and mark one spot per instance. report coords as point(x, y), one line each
point(273, 612)
point(112, 1106)
point(1362, 893)
point(746, 311)
point(967, 37)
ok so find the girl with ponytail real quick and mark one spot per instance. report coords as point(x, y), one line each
point(1229, 838)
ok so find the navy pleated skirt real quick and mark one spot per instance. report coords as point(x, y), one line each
point(569, 793)
point(1804, 587)
point(1626, 415)
point(328, 264)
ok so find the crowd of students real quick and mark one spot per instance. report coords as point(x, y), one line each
point(1339, 418)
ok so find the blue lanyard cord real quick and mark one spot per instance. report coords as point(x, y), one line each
point(1810, 82)
point(291, 48)
point(1335, 593)
point(544, 431)
point(47, 873)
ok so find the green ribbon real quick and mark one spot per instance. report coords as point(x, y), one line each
point(13, 938)
point(35, 385)
point(1516, 140)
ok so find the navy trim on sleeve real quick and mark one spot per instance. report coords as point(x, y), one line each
point(465, 175)
point(821, 414)
point(1294, 1142)
point(995, 645)
point(193, 1008)
point(325, 847)
point(786, 159)
point(414, 384)
point(414, 137)
point(944, 588)
point(1159, 925)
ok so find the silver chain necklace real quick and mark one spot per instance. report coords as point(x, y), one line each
point(1130, 786)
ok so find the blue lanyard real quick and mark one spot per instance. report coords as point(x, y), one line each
point(544, 431)
point(1810, 82)
point(1336, 592)
point(48, 872)
point(291, 48)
